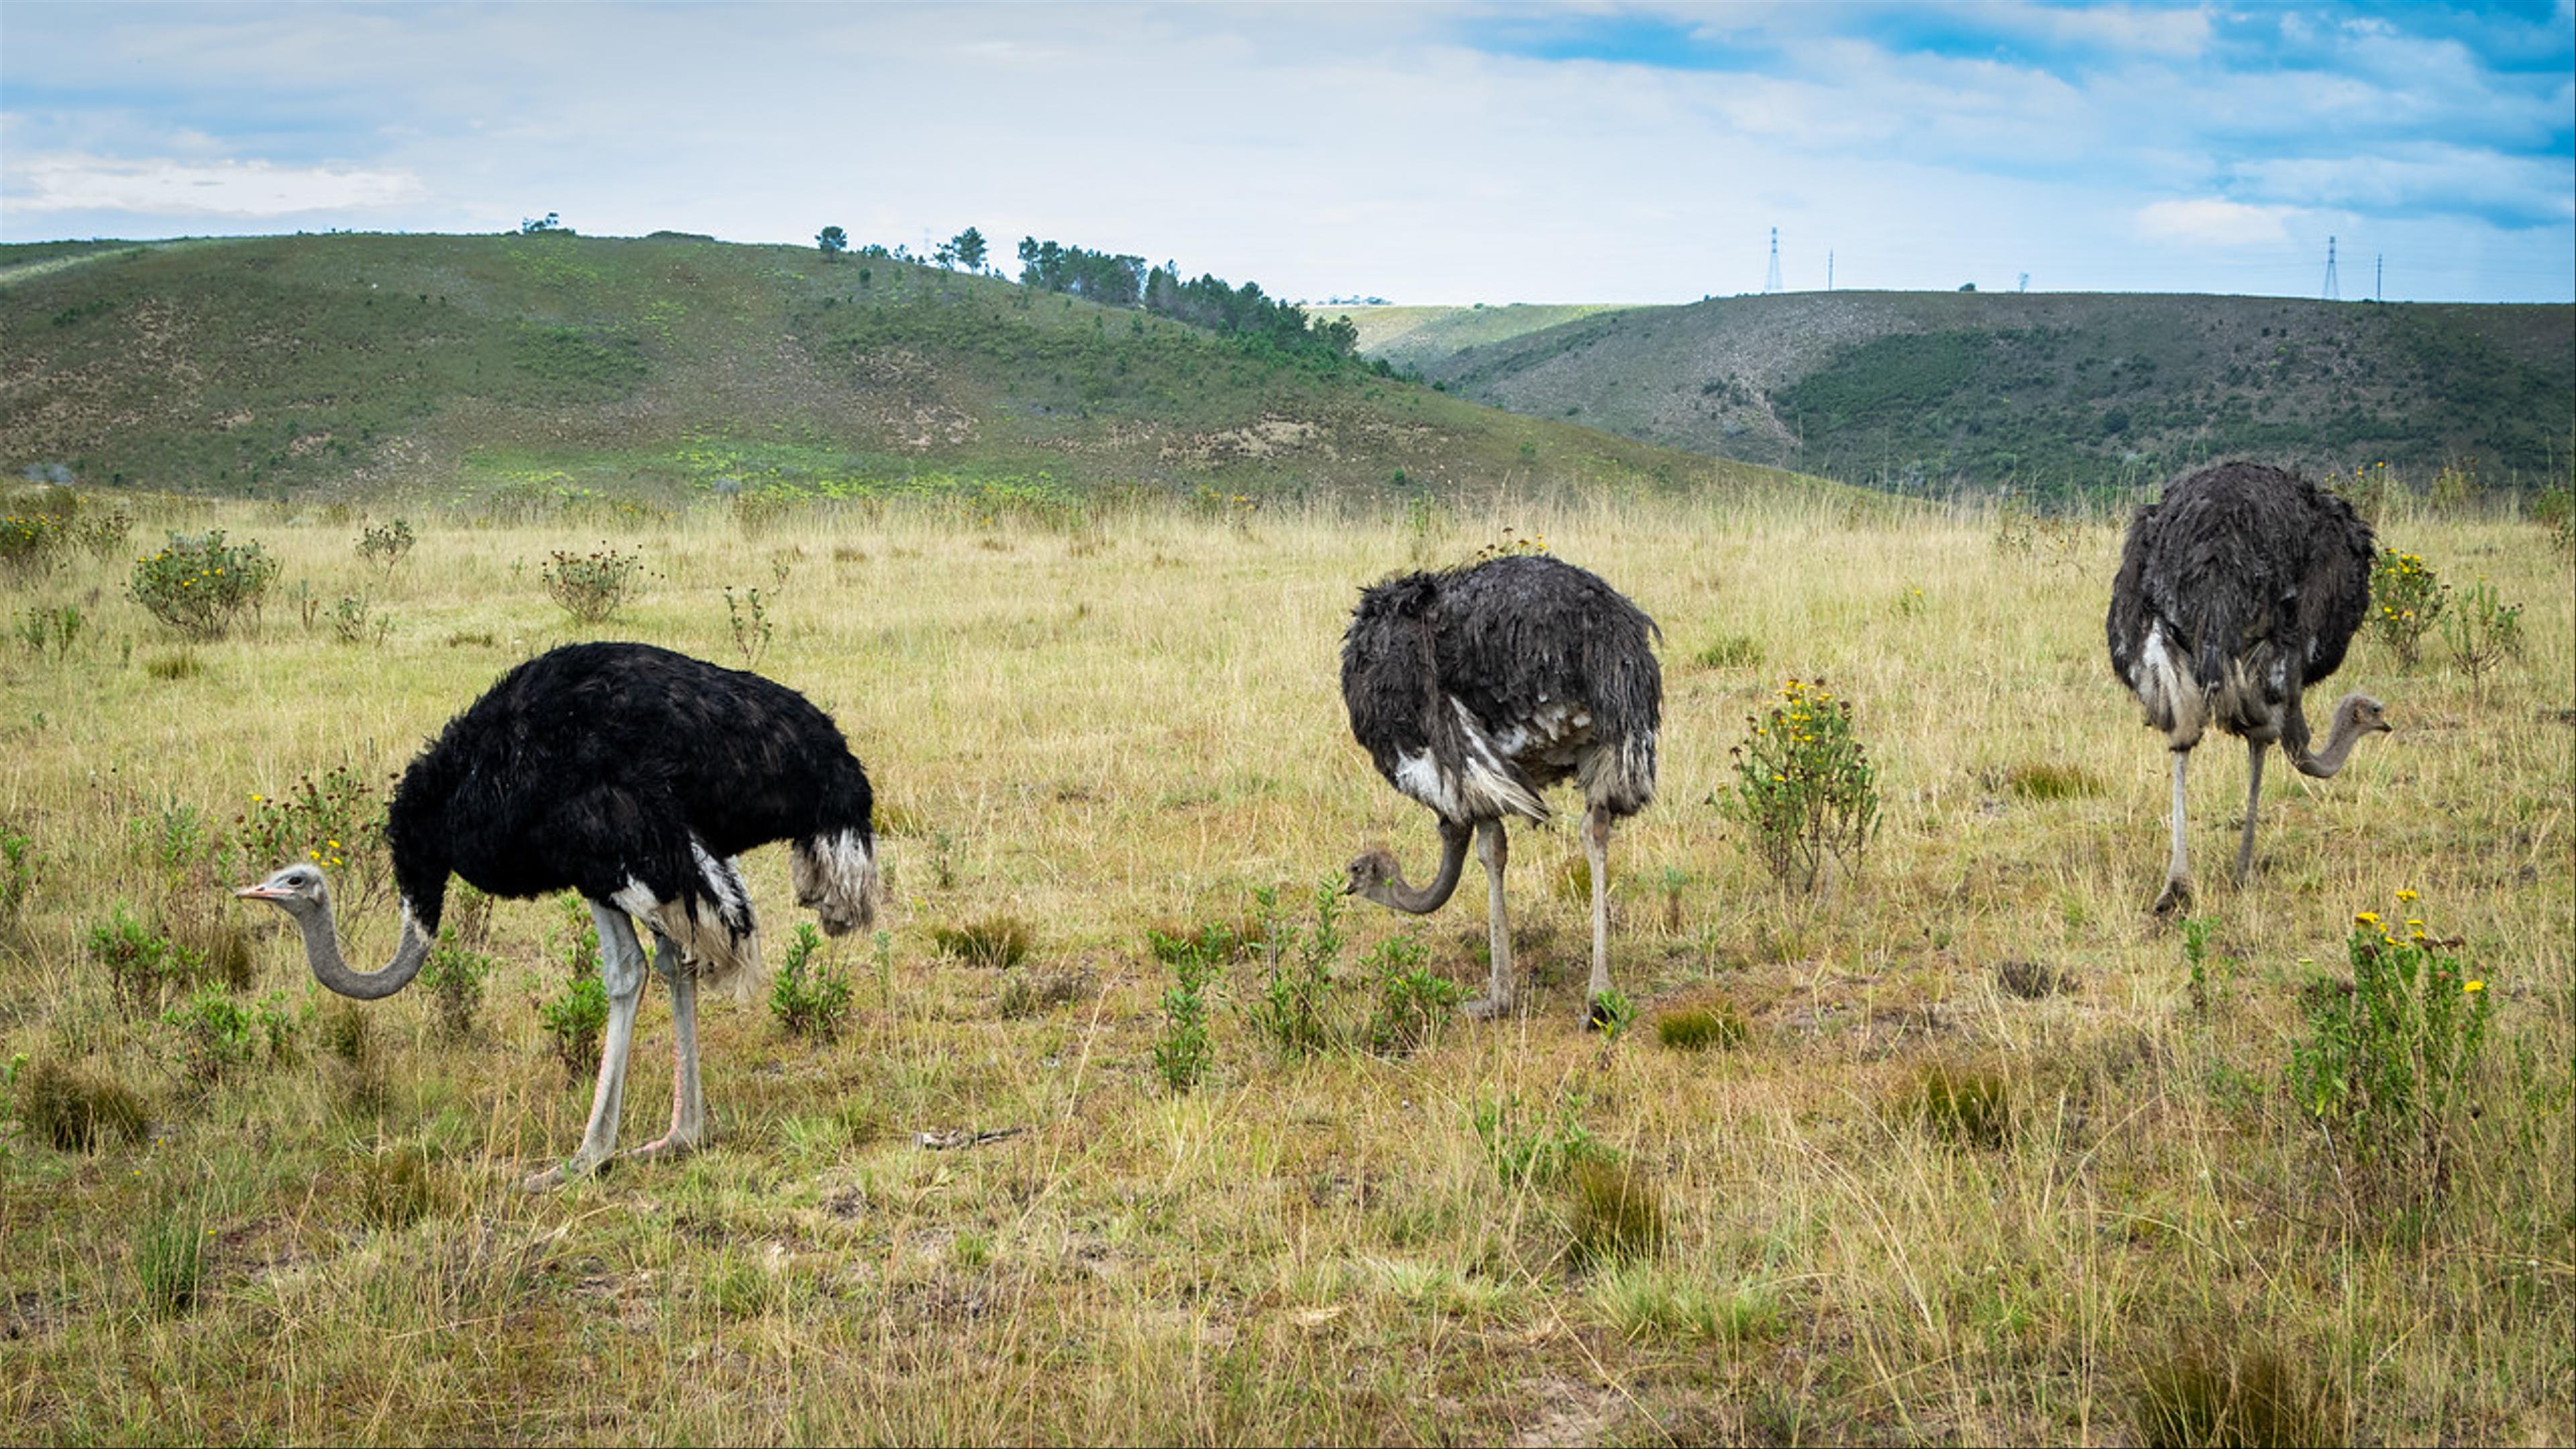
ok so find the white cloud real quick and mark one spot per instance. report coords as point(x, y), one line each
point(2209, 221)
point(160, 186)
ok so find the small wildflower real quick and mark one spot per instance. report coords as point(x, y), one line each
point(2473, 986)
point(2406, 895)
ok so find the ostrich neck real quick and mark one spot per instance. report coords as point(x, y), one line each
point(2322, 763)
point(322, 952)
point(1453, 862)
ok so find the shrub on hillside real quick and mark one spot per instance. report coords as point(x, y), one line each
point(1804, 787)
point(200, 586)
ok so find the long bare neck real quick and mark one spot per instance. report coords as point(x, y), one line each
point(322, 953)
point(2321, 764)
point(1453, 862)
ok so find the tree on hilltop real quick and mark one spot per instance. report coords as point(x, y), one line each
point(833, 241)
point(969, 247)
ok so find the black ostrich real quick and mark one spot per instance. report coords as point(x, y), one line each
point(2235, 593)
point(1474, 689)
point(635, 776)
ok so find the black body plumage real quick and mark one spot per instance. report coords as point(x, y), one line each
point(2252, 579)
point(1522, 666)
point(600, 767)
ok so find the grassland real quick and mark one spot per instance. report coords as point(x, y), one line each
point(1109, 719)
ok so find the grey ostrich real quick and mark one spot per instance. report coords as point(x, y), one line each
point(635, 776)
point(2235, 593)
point(1476, 688)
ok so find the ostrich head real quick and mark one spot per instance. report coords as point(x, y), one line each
point(1375, 876)
point(2359, 714)
point(298, 890)
point(1373, 873)
point(301, 891)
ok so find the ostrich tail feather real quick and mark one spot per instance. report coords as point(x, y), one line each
point(835, 876)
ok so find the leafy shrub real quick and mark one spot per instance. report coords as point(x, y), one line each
point(2406, 597)
point(997, 941)
point(2554, 508)
point(388, 545)
point(335, 820)
point(592, 586)
point(141, 963)
point(2482, 633)
point(1804, 787)
point(103, 534)
point(76, 1110)
point(1701, 1028)
point(17, 876)
point(49, 629)
point(1183, 1052)
point(1969, 1105)
point(2386, 1062)
point(199, 586)
point(575, 1016)
point(454, 976)
point(354, 623)
point(1528, 1146)
point(215, 1034)
point(1292, 1011)
point(1412, 1003)
point(28, 542)
point(810, 999)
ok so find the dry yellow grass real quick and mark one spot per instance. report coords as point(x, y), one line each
point(1135, 722)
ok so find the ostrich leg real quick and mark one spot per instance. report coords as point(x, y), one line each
point(1493, 849)
point(2177, 874)
point(2253, 802)
point(688, 1103)
point(621, 970)
point(1596, 854)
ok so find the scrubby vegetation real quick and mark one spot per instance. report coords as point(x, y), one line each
point(1968, 1148)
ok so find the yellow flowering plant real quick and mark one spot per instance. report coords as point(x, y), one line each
point(1804, 787)
point(200, 586)
point(2406, 598)
point(2386, 1063)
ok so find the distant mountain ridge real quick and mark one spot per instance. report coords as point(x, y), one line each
point(344, 362)
point(2045, 392)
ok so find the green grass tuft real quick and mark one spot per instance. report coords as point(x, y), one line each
point(995, 941)
point(1965, 1104)
point(2204, 1396)
point(77, 1110)
point(1701, 1028)
point(1613, 1212)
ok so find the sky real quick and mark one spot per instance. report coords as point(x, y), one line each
point(1434, 153)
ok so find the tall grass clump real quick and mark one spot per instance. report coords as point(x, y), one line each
point(998, 941)
point(1529, 1145)
point(1804, 787)
point(2200, 1394)
point(2387, 1063)
point(200, 586)
point(170, 1259)
point(17, 876)
point(1613, 1211)
point(1969, 1105)
point(1701, 1028)
point(76, 1110)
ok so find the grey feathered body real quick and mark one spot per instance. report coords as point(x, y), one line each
point(2238, 590)
point(1475, 688)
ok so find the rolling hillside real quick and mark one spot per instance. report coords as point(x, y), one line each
point(1929, 391)
point(277, 365)
point(1418, 337)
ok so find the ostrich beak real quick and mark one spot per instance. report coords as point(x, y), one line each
point(259, 893)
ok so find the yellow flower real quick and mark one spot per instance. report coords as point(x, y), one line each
point(2406, 895)
point(2366, 918)
point(2473, 986)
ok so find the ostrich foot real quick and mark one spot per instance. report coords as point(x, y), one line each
point(670, 1144)
point(1486, 1008)
point(2177, 894)
point(577, 1167)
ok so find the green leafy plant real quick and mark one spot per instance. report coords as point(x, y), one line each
point(354, 623)
point(454, 976)
point(2406, 598)
point(1292, 1009)
point(387, 545)
point(1533, 1146)
point(141, 963)
point(2386, 1064)
point(28, 542)
point(574, 1017)
point(334, 820)
point(17, 876)
point(215, 1034)
point(2482, 633)
point(1804, 787)
point(50, 629)
point(1412, 1002)
point(810, 998)
point(200, 586)
point(1612, 1013)
point(592, 586)
point(1183, 1051)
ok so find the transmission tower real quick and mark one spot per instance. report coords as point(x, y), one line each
point(2379, 276)
point(1829, 271)
point(1771, 279)
point(2024, 284)
point(2334, 289)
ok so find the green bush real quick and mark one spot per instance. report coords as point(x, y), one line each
point(1412, 1003)
point(215, 1034)
point(388, 545)
point(810, 998)
point(574, 1017)
point(2406, 598)
point(454, 976)
point(2387, 1060)
point(1183, 1052)
point(200, 586)
point(1292, 1009)
point(141, 963)
point(1804, 787)
point(1526, 1145)
point(2482, 633)
point(593, 586)
point(28, 542)
point(334, 820)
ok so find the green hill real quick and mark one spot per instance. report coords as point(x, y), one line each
point(278, 365)
point(1928, 391)
point(1420, 336)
